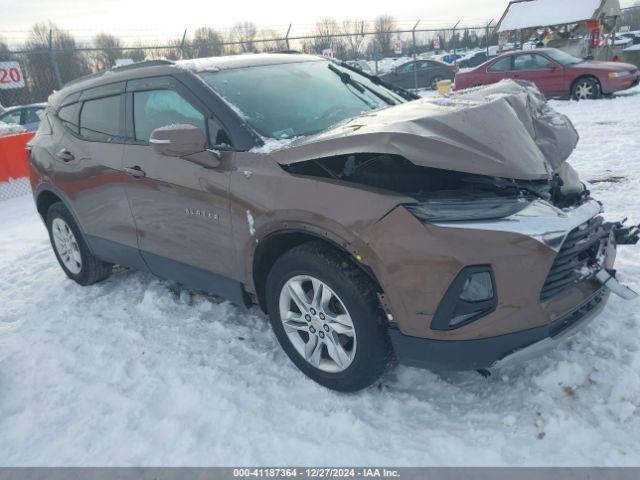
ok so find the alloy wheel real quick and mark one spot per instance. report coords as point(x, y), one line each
point(585, 91)
point(317, 324)
point(66, 245)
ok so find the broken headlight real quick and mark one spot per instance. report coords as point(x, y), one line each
point(464, 210)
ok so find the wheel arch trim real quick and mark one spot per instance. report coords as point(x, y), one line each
point(256, 270)
point(47, 188)
point(585, 76)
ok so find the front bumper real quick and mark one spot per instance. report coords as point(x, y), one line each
point(619, 84)
point(521, 250)
point(500, 351)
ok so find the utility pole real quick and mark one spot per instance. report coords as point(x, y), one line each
point(415, 68)
point(286, 38)
point(54, 63)
point(453, 37)
point(486, 36)
point(184, 37)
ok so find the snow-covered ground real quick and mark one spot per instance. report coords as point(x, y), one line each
point(135, 371)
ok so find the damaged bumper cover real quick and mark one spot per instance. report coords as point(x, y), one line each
point(563, 231)
point(510, 349)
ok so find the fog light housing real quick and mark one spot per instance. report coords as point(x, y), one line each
point(478, 287)
point(471, 296)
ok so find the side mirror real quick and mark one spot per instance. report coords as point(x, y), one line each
point(185, 141)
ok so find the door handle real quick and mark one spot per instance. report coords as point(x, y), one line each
point(136, 171)
point(65, 155)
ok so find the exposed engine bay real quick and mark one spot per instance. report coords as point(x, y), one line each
point(397, 174)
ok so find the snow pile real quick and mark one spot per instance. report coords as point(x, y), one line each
point(137, 371)
point(10, 129)
point(542, 13)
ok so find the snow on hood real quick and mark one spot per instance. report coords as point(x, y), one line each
point(503, 130)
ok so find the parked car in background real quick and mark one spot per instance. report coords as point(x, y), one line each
point(27, 116)
point(361, 65)
point(429, 73)
point(448, 58)
point(634, 36)
point(473, 60)
point(555, 73)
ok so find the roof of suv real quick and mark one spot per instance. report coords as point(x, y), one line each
point(166, 67)
point(244, 61)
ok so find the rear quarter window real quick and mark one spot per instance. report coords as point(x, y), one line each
point(68, 115)
point(45, 125)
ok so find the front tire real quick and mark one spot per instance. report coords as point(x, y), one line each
point(585, 89)
point(326, 316)
point(71, 249)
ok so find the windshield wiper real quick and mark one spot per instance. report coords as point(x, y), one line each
point(346, 78)
point(376, 80)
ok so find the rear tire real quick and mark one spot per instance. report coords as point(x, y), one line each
point(71, 249)
point(434, 82)
point(585, 89)
point(343, 291)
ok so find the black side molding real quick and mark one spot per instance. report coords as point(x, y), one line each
point(166, 268)
point(197, 278)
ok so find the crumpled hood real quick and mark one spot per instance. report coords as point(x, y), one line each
point(504, 130)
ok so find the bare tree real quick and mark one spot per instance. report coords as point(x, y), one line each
point(275, 41)
point(384, 26)
point(135, 52)
point(110, 50)
point(244, 33)
point(172, 50)
point(356, 40)
point(46, 71)
point(324, 33)
point(206, 42)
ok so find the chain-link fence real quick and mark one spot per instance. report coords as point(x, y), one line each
point(51, 58)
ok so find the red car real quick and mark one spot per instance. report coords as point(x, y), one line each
point(556, 73)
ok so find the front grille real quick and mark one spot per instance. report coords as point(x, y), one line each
point(577, 260)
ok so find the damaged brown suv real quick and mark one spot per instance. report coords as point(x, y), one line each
point(369, 224)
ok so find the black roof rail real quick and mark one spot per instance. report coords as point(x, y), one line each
point(144, 63)
point(132, 66)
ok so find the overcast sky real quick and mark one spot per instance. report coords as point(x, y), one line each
point(150, 17)
point(146, 19)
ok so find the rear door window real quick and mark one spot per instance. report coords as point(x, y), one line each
point(158, 108)
point(502, 65)
point(101, 119)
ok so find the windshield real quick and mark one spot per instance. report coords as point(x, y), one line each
point(563, 58)
point(295, 99)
